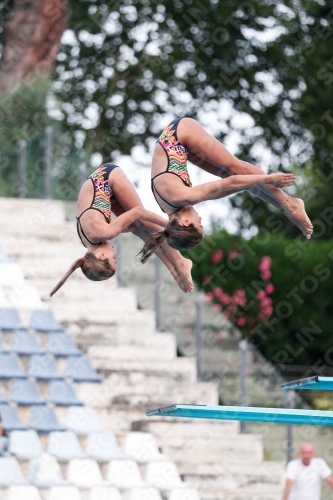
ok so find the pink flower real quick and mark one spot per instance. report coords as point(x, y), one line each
point(241, 321)
point(266, 301)
point(218, 292)
point(261, 294)
point(266, 275)
point(209, 296)
point(242, 302)
point(233, 255)
point(232, 309)
point(226, 314)
point(225, 299)
point(217, 307)
point(265, 263)
point(240, 292)
point(270, 288)
point(217, 256)
point(206, 280)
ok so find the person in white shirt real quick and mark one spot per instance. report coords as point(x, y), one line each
point(304, 476)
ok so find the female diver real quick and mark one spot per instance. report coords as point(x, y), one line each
point(184, 139)
point(108, 189)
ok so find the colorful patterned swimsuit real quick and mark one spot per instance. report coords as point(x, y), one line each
point(177, 156)
point(102, 197)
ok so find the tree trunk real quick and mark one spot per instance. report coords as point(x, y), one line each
point(31, 40)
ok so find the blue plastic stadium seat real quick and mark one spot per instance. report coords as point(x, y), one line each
point(11, 419)
point(62, 393)
point(43, 367)
point(25, 343)
point(25, 392)
point(42, 320)
point(2, 397)
point(43, 419)
point(61, 344)
point(9, 319)
point(80, 369)
point(10, 366)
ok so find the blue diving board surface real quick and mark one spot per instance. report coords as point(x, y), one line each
point(271, 415)
point(315, 383)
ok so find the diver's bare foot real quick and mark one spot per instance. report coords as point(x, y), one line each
point(178, 279)
point(295, 211)
point(185, 275)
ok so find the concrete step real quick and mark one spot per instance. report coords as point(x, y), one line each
point(178, 369)
point(188, 428)
point(265, 469)
point(232, 483)
point(162, 347)
point(156, 394)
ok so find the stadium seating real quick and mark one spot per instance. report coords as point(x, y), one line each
point(23, 493)
point(25, 393)
point(80, 370)
point(3, 398)
point(164, 475)
point(103, 447)
point(82, 420)
point(10, 472)
point(42, 320)
point(105, 493)
point(9, 320)
point(4, 259)
point(43, 419)
point(25, 445)
point(124, 474)
point(84, 473)
point(184, 494)
point(145, 494)
point(62, 393)
point(43, 367)
point(64, 493)
point(44, 472)
point(61, 344)
point(10, 418)
point(10, 366)
point(64, 446)
point(142, 447)
point(25, 343)
point(2, 345)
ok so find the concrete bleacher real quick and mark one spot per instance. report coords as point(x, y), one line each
point(139, 370)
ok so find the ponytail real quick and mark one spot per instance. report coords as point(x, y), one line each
point(78, 263)
point(93, 268)
point(176, 235)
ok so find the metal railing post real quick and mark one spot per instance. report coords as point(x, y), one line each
point(48, 159)
point(157, 294)
point(242, 348)
point(22, 169)
point(290, 444)
point(119, 273)
point(198, 334)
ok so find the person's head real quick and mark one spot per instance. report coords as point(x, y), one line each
point(98, 265)
point(306, 453)
point(184, 231)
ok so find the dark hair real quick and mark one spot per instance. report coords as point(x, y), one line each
point(93, 268)
point(176, 235)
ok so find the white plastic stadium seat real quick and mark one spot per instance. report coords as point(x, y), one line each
point(103, 447)
point(82, 420)
point(45, 472)
point(64, 493)
point(104, 493)
point(84, 473)
point(184, 494)
point(64, 446)
point(25, 444)
point(23, 493)
point(10, 472)
point(145, 494)
point(164, 476)
point(142, 447)
point(124, 474)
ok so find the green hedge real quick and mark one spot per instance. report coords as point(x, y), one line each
point(281, 289)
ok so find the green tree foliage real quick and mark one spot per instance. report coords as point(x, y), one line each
point(295, 290)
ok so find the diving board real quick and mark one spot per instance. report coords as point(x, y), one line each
point(271, 415)
point(311, 383)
